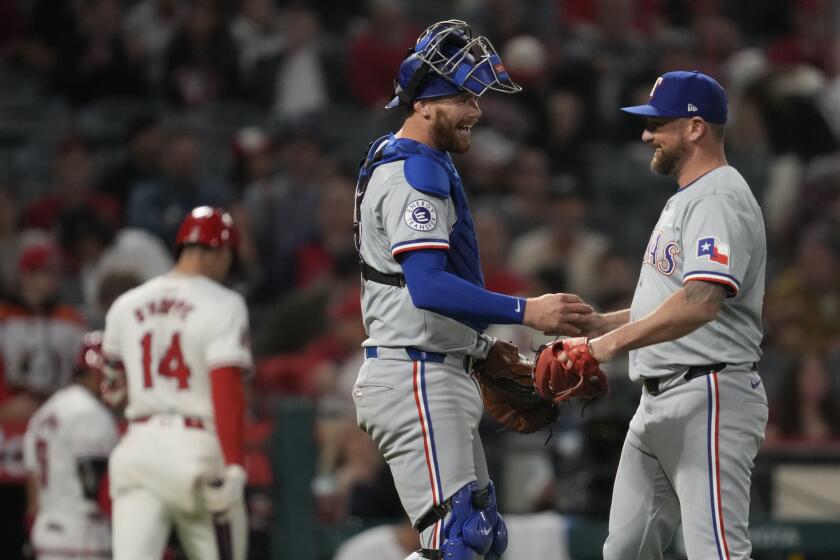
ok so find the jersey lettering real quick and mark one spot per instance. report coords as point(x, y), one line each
point(666, 262)
point(165, 306)
point(171, 365)
point(652, 247)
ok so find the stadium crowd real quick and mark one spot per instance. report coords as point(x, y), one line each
point(117, 117)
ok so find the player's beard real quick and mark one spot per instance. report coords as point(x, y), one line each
point(666, 162)
point(445, 134)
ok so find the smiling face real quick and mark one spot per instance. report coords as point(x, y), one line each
point(668, 138)
point(452, 120)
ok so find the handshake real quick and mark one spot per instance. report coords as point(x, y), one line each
point(561, 314)
point(524, 395)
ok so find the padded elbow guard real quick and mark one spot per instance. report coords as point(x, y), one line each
point(474, 525)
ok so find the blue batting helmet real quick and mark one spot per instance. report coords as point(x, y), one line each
point(446, 60)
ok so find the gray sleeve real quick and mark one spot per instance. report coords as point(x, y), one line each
point(716, 241)
point(413, 219)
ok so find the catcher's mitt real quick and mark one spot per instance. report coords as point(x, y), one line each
point(507, 387)
point(583, 378)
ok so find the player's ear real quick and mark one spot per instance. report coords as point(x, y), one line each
point(423, 108)
point(697, 128)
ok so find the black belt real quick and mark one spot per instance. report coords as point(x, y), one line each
point(370, 273)
point(652, 383)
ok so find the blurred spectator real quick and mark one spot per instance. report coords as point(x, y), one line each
point(39, 335)
point(200, 64)
point(565, 243)
point(385, 542)
point(258, 32)
point(493, 251)
point(72, 187)
point(8, 240)
point(296, 318)
point(526, 59)
point(93, 62)
point(806, 410)
point(811, 39)
point(143, 143)
point(501, 20)
point(566, 114)
point(364, 480)
point(149, 26)
point(529, 188)
point(282, 209)
point(315, 258)
point(159, 205)
point(787, 102)
point(802, 309)
point(486, 166)
point(616, 281)
point(99, 250)
point(302, 76)
point(376, 51)
point(253, 159)
point(717, 38)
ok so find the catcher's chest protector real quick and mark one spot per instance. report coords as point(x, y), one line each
point(462, 257)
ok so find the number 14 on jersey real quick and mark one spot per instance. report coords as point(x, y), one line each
point(171, 365)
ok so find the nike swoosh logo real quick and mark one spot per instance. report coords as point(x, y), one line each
point(518, 303)
point(485, 531)
point(756, 384)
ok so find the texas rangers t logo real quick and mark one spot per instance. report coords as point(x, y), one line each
point(655, 85)
point(715, 250)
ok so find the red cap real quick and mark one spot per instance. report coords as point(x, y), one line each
point(38, 256)
point(211, 227)
point(90, 355)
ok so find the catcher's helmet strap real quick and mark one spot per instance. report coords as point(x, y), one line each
point(409, 92)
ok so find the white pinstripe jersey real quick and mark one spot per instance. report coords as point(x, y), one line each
point(169, 334)
point(710, 230)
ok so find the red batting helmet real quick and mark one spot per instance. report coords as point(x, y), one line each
point(90, 355)
point(211, 227)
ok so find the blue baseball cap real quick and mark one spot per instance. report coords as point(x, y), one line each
point(685, 94)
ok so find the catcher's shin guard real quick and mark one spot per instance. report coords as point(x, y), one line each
point(474, 525)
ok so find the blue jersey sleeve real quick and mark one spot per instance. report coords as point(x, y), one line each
point(434, 289)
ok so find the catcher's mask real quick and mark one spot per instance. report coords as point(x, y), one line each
point(447, 60)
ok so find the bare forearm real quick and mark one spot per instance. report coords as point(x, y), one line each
point(682, 313)
point(616, 319)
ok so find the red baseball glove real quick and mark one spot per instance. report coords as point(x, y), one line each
point(582, 378)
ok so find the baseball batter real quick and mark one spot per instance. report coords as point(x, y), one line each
point(182, 340)
point(424, 303)
point(693, 332)
point(66, 450)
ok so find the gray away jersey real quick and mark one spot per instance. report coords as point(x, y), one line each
point(711, 230)
point(395, 218)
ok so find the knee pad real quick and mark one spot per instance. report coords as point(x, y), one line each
point(474, 525)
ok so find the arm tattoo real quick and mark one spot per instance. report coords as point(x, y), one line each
point(704, 292)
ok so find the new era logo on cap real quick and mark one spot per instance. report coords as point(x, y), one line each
point(685, 94)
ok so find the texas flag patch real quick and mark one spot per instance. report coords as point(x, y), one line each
point(716, 251)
